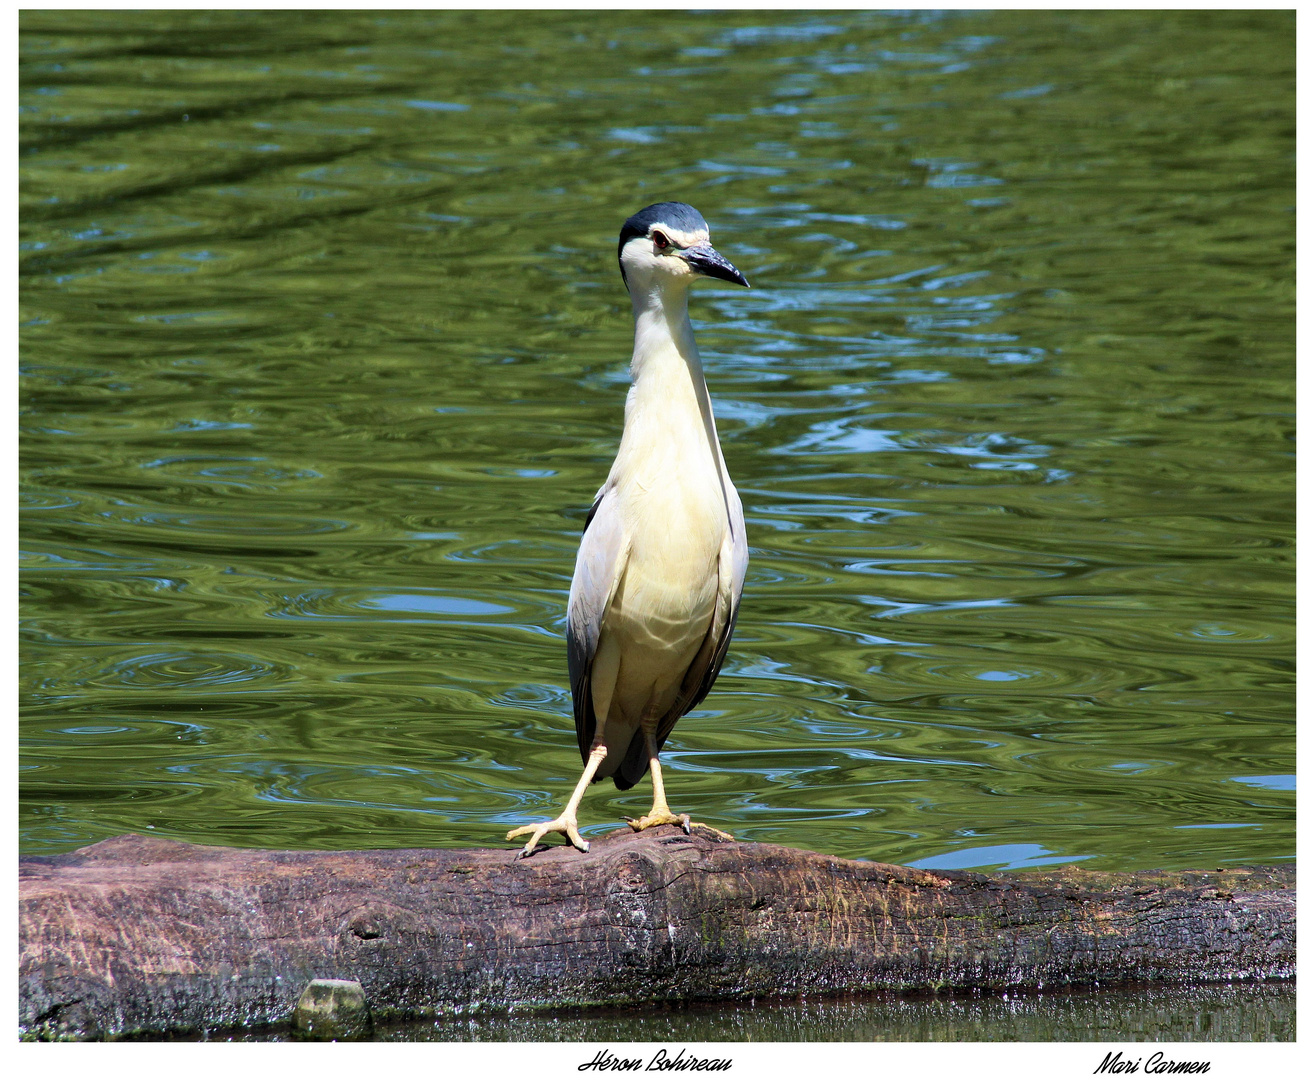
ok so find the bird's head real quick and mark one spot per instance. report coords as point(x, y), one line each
point(667, 244)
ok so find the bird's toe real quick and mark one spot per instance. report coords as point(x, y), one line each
point(658, 817)
point(564, 825)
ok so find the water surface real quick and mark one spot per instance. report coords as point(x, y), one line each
point(324, 349)
point(1256, 1013)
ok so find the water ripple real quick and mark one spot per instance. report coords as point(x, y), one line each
point(324, 358)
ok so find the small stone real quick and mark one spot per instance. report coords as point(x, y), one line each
point(332, 1009)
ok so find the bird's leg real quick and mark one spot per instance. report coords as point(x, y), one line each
point(565, 823)
point(661, 813)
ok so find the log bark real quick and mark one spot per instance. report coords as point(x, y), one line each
point(140, 935)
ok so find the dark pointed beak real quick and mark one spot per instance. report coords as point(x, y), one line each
point(705, 260)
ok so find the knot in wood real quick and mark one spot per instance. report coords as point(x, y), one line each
point(637, 872)
point(379, 921)
point(366, 927)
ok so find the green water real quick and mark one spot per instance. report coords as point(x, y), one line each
point(324, 350)
point(1259, 1013)
point(1234, 1013)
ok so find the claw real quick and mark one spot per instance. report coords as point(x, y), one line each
point(564, 825)
point(658, 816)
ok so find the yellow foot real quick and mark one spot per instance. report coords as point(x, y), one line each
point(565, 825)
point(666, 817)
point(658, 817)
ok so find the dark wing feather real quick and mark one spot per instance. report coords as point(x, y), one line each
point(597, 565)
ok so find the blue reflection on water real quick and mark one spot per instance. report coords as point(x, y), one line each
point(1001, 856)
point(435, 605)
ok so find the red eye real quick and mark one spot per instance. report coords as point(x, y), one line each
point(660, 239)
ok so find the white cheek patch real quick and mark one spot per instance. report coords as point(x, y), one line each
point(639, 252)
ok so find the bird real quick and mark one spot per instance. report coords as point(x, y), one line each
point(661, 565)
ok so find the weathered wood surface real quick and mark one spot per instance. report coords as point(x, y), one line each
point(144, 935)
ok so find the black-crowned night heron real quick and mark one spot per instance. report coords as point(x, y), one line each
point(661, 563)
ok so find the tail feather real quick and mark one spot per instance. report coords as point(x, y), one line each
point(634, 765)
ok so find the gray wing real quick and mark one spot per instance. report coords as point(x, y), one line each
point(598, 565)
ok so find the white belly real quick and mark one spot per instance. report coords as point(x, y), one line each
point(664, 603)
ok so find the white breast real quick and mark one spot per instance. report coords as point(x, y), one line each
point(673, 499)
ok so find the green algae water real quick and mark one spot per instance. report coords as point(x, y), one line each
point(324, 355)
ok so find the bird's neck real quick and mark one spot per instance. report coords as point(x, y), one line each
point(668, 405)
point(665, 368)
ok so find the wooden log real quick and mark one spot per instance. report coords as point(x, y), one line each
point(143, 935)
